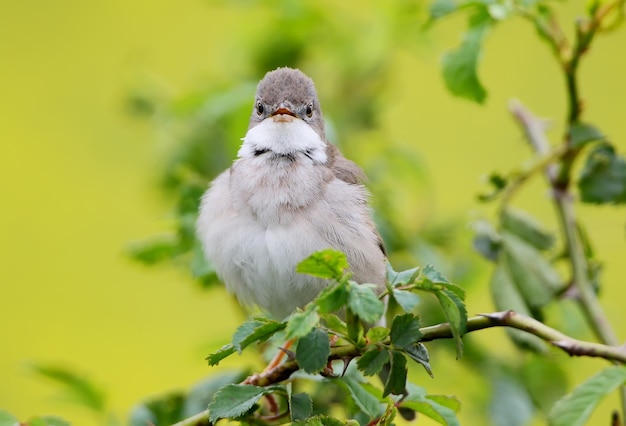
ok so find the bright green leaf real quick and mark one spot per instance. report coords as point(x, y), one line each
point(335, 324)
point(419, 353)
point(329, 264)
point(220, 354)
point(376, 334)
point(300, 406)
point(441, 414)
point(575, 408)
point(396, 380)
point(405, 330)
point(447, 401)
point(603, 177)
point(456, 314)
point(302, 322)
point(371, 362)
point(313, 351)
point(364, 303)
point(258, 330)
point(368, 403)
point(402, 277)
point(233, 401)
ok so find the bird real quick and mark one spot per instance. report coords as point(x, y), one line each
point(289, 193)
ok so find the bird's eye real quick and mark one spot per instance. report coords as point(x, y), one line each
point(309, 110)
point(259, 108)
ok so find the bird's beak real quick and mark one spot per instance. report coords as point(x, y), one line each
point(283, 113)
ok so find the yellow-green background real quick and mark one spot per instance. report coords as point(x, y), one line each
point(77, 183)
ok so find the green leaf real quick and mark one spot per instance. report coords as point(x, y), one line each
point(233, 401)
point(7, 419)
point(332, 298)
point(371, 362)
point(335, 324)
point(313, 351)
point(527, 228)
point(376, 334)
point(258, 330)
point(162, 410)
point(302, 322)
point(486, 240)
point(406, 299)
point(603, 177)
point(155, 250)
point(575, 408)
point(396, 380)
point(402, 277)
point(300, 406)
point(431, 273)
point(322, 420)
point(419, 353)
point(431, 409)
point(441, 8)
point(364, 303)
point(447, 401)
point(202, 393)
point(368, 403)
point(545, 380)
point(329, 264)
point(77, 388)
point(456, 314)
point(460, 65)
point(405, 330)
point(510, 402)
point(581, 134)
point(220, 354)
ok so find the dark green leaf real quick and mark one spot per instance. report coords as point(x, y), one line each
point(364, 303)
point(233, 401)
point(332, 298)
point(405, 330)
point(300, 406)
point(77, 387)
point(368, 403)
point(396, 380)
point(406, 299)
point(419, 353)
point(456, 314)
point(372, 362)
point(603, 178)
point(527, 228)
point(155, 250)
point(575, 408)
point(402, 277)
point(376, 334)
point(460, 65)
point(581, 134)
point(258, 330)
point(329, 264)
point(220, 354)
point(302, 322)
point(486, 240)
point(313, 351)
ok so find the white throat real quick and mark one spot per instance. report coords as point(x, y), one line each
point(283, 138)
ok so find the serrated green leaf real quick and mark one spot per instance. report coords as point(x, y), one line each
point(313, 351)
point(575, 408)
point(368, 403)
point(220, 354)
point(460, 65)
point(376, 334)
point(396, 380)
point(402, 277)
point(581, 134)
point(302, 322)
point(419, 353)
point(77, 388)
point(371, 362)
point(364, 303)
point(335, 324)
point(603, 177)
point(7, 419)
point(332, 298)
point(406, 299)
point(405, 330)
point(300, 406)
point(255, 331)
point(329, 264)
point(456, 314)
point(431, 273)
point(233, 401)
point(526, 227)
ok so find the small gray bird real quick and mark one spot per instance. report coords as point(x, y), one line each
point(289, 193)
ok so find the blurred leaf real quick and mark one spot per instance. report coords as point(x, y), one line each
point(313, 351)
point(202, 393)
point(302, 322)
point(366, 402)
point(447, 401)
point(460, 65)
point(575, 408)
point(371, 362)
point(78, 389)
point(47, 421)
point(486, 240)
point(258, 330)
point(526, 227)
point(7, 419)
point(545, 380)
point(405, 330)
point(329, 264)
point(155, 250)
point(220, 354)
point(364, 303)
point(506, 296)
point(396, 380)
point(300, 406)
point(376, 334)
point(437, 407)
point(581, 134)
point(233, 401)
point(510, 403)
point(164, 410)
point(441, 8)
point(603, 177)
point(332, 298)
point(403, 277)
point(418, 352)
